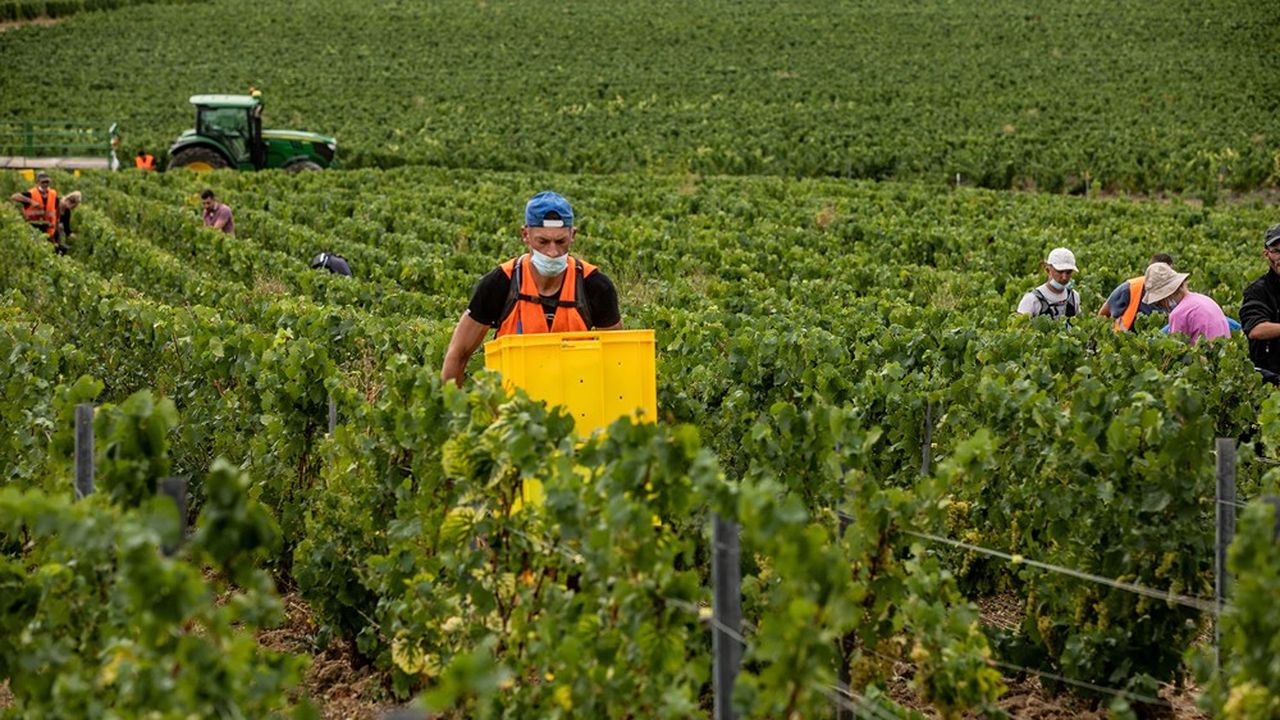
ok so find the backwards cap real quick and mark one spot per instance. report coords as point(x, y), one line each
point(548, 203)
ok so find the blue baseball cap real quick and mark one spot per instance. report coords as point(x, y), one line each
point(548, 203)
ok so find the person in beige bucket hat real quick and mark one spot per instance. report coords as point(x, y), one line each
point(1191, 314)
point(1057, 297)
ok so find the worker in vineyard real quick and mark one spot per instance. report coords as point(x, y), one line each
point(65, 206)
point(1119, 305)
point(1260, 311)
point(40, 207)
point(335, 264)
point(145, 161)
point(543, 290)
point(1191, 314)
point(217, 215)
point(1057, 297)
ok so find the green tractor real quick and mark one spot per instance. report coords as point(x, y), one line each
point(229, 134)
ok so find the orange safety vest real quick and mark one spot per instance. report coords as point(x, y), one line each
point(524, 312)
point(146, 162)
point(1125, 321)
point(43, 213)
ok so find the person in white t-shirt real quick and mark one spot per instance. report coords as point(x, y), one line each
point(1057, 297)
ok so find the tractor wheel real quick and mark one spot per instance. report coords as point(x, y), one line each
point(199, 159)
point(297, 166)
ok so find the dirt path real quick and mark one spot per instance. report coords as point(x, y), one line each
point(339, 690)
point(15, 24)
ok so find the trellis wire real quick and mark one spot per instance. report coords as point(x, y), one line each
point(1191, 601)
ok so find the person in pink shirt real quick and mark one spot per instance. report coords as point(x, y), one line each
point(217, 215)
point(1192, 314)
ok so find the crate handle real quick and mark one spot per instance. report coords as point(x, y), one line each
point(580, 342)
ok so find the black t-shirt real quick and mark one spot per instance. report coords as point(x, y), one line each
point(490, 297)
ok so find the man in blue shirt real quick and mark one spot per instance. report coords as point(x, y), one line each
point(1118, 304)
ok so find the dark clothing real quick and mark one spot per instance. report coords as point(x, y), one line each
point(64, 223)
point(338, 265)
point(333, 263)
point(1262, 304)
point(490, 297)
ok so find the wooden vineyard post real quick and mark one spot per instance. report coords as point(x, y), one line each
point(333, 415)
point(726, 613)
point(1225, 507)
point(84, 450)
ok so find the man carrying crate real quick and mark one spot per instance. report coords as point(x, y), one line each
point(543, 290)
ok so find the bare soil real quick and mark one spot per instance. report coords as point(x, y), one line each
point(15, 24)
point(1266, 196)
point(339, 689)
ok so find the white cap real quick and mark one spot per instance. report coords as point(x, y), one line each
point(1061, 259)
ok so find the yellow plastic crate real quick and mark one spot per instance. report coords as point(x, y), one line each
point(598, 376)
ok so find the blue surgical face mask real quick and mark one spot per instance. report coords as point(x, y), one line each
point(548, 266)
point(1059, 286)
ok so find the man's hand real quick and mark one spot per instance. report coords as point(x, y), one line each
point(467, 337)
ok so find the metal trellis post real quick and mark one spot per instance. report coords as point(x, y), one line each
point(1225, 531)
point(726, 612)
point(84, 450)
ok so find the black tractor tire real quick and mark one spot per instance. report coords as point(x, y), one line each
point(198, 158)
point(297, 166)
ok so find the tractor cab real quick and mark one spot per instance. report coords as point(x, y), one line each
point(228, 134)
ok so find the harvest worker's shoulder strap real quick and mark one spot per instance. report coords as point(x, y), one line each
point(512, 270)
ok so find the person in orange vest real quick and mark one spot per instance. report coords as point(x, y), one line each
point(1119, 304)
point(40, 206)
point(544, 290)
point(145, 161)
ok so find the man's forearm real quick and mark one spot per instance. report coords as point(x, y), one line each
point(1265, 331)
point(454, 368)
